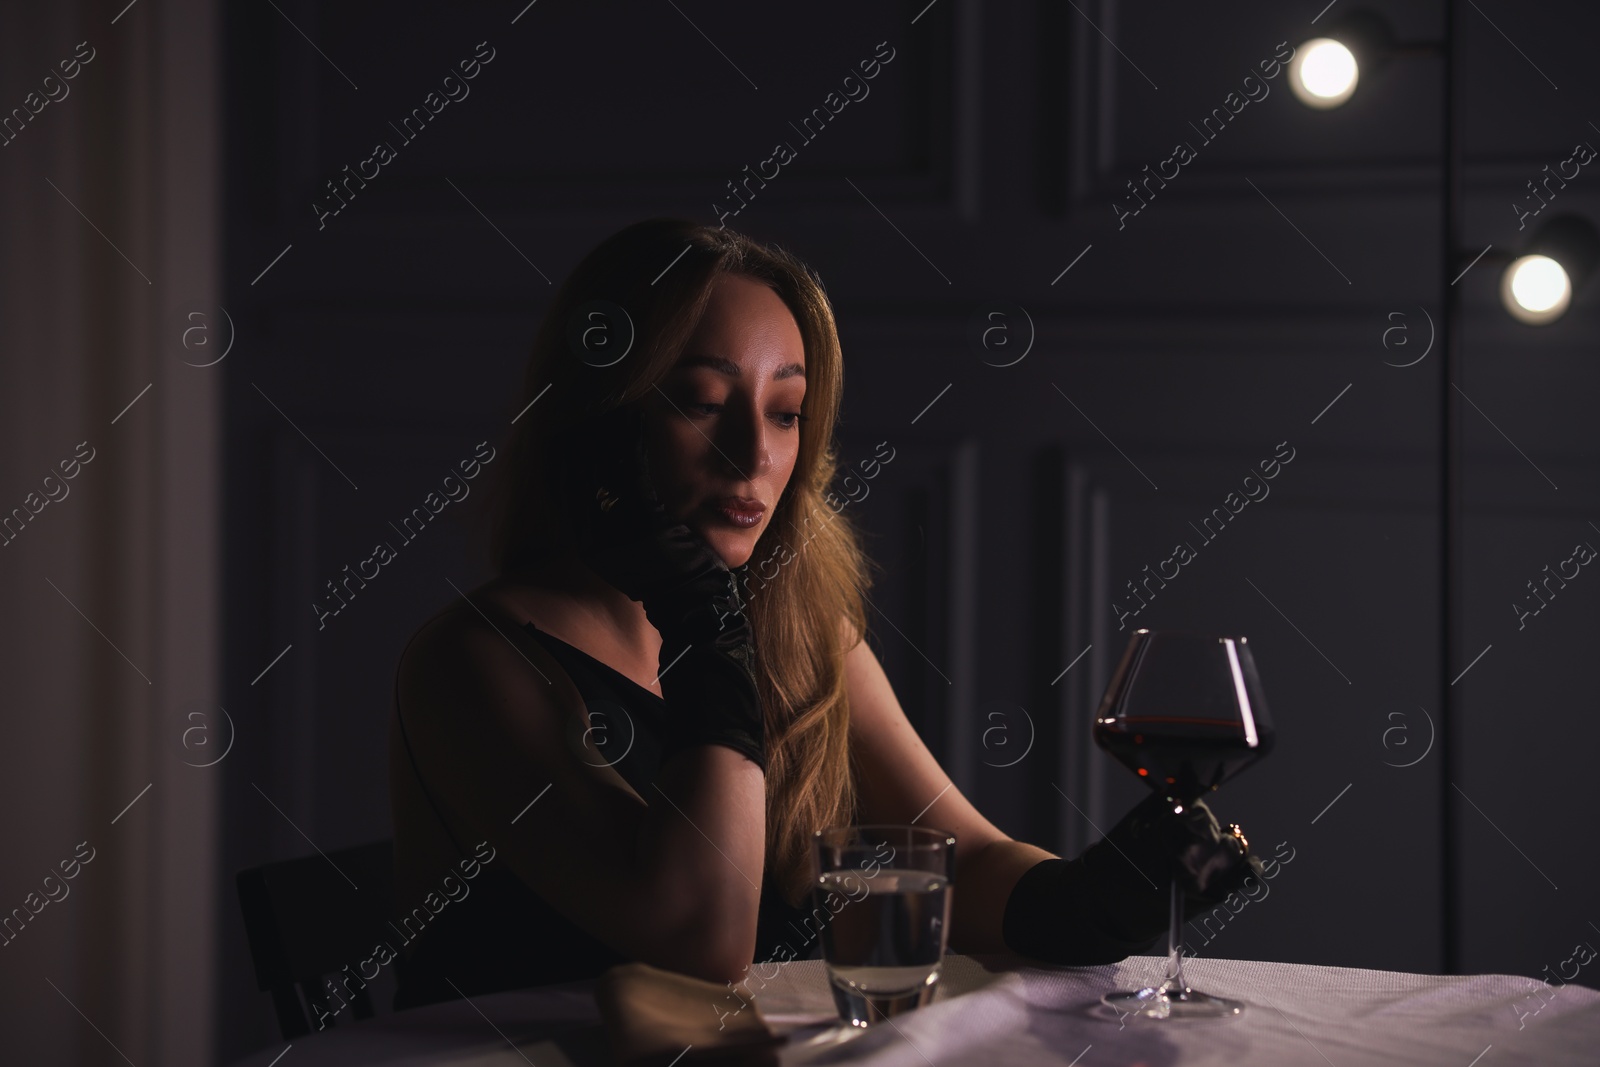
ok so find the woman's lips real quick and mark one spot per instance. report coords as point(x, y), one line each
point(742, 513)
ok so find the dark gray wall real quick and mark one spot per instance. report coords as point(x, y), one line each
point(1178, 351)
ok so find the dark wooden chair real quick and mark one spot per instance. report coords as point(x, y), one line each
point(306, 922)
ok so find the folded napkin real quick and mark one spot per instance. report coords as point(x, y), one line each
point(653, 1016)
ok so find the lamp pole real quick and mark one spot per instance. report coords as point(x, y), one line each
point(1450, 533)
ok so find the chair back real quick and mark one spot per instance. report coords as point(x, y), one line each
point(316, 918)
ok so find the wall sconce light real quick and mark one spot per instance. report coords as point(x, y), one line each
point(1323, 73)
point(1325, 70)
point(1538, 285)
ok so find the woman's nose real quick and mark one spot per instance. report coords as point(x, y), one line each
point(745, 442)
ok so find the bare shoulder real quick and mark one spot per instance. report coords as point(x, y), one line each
point(493, 609)
point(474, 653)
point(849, 635)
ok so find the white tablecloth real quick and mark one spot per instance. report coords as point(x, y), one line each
point(991, 1011)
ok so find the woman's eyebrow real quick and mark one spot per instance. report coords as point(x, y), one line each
point(731, 369)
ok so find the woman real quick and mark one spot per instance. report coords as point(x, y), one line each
point(641, 733)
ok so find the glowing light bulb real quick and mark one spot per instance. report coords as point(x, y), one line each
point(1535, 289)
point(1323, 73)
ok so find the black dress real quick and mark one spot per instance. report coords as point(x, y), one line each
point(503, 935)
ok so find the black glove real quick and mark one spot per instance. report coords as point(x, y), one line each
point(626, 536)
point(1113, 901)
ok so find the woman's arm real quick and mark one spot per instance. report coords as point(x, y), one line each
point(1099, 907)
point(672, 878)
point(901, 782)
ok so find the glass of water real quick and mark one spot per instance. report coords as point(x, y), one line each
point(887, 892)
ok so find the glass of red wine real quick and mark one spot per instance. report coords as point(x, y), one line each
point(1185, 712)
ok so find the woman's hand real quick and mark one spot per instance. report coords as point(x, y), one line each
point(1212, 862)
point(688, 592)
point(1162, 845)
point(624, 532)
point(1113, 900)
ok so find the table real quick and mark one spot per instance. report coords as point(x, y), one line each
point(994, 1010)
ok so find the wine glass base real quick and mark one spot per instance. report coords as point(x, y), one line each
point(1161, 1002)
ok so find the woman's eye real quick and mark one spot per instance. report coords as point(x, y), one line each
point(787, 419)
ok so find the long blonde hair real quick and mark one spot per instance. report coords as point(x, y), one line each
point(642, 292)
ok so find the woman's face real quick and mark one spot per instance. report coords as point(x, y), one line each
point(723, 429)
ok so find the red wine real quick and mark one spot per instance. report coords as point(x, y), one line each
point(1181, 757)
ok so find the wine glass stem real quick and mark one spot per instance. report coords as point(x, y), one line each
point(1175, 982)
